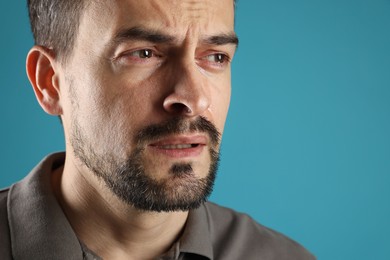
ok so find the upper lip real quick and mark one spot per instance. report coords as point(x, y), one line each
point(181, 139)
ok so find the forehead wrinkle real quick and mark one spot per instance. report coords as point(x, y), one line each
point(196, 9)
point(179, 12)
point(176, 18)
point(161, 13)
point(202, 12)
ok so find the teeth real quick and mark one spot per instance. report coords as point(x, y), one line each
point(176, 146)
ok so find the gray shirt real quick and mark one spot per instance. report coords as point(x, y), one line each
point(33, 226)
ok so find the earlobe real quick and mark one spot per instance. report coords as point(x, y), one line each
point(43, 76)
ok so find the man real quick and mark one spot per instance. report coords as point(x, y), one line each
point(142, 89)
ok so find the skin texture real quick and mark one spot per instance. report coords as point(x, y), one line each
point(111, 88)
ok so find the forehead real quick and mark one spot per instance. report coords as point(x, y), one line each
point(175, 16)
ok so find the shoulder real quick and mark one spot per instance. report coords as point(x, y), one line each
point(237, 236)
point(5, 244)
point(3, 208)
point(3, 198)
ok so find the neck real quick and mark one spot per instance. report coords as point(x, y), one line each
point(109, 227)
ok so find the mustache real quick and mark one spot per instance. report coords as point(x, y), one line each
point(179, 125)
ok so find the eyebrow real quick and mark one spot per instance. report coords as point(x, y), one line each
point(222, 39)
point(138, 33)
point(154, 36)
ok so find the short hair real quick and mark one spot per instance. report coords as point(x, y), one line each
point(55, 24)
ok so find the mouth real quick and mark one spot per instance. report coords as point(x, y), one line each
point(180, 146)
point(177, 146)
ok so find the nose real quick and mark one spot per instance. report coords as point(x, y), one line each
point(190, 94)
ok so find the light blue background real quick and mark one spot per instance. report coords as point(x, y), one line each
point(306, 149)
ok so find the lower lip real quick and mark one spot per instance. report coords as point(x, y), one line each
point(179, 153)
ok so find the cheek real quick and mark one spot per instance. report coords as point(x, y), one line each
point(223, 111)
point(220, 104)
point(102, 115)
point(122, 108)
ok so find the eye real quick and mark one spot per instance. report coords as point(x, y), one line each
point(139, 57)
point(217, 58)
point(214, 61)
point(143, 54)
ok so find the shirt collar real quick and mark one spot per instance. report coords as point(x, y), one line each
point(196, 238)
point(38, 226)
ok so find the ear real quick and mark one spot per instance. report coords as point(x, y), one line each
point(42, 72)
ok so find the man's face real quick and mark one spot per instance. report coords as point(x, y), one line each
point(147, 91)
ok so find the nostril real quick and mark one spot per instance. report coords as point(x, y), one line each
point(180, 108)
point(188, 110)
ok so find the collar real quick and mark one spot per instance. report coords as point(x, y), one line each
point(196, 238)
point(38, 226)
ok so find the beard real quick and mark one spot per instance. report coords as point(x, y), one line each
point(128, 180)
